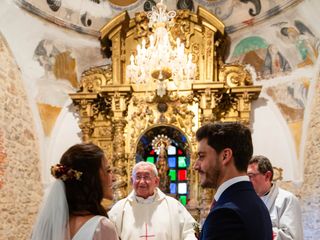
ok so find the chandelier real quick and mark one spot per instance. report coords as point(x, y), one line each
point(160, 61)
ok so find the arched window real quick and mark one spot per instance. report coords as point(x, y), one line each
point(178, 160)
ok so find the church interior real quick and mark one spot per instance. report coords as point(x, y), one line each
point(114, 73)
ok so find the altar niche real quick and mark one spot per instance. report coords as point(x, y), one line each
point(168, 148)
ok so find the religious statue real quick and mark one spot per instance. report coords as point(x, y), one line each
point(163, 169)
point(160, 144)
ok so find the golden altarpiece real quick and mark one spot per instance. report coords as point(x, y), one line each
point(116, 113)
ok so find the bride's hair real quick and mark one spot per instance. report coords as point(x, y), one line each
point(77, 190)
point(84, 194)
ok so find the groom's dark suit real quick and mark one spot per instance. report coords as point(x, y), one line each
point(238, 214)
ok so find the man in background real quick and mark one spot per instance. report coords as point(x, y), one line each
point(283, 206)
point(147, 213)
point(224, 151)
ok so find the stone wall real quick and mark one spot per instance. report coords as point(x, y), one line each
point(20, 183)
point(310, 190)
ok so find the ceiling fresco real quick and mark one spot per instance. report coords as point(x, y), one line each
point(88, 16)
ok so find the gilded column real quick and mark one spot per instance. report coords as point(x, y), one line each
point(84, 104)
point(120, 160)
point(119, 108)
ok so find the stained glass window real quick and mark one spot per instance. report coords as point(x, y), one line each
point(172, 162)
point(173, 175)
point(182, 175)
point(173, 188)
point(178, 163)
point(150, 159)
point(171, 150)
point(178, 160)
point(183, 199)
point(182, 188)
point(182, 162)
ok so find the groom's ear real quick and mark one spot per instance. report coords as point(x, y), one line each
point(226, 155)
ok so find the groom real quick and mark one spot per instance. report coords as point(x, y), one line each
point(224, 151)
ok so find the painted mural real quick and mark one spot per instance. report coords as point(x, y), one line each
point(291, 99)
point(266, 58)
point(88, 16)
point(279, 52)
point(62, 65)
point(58, 80)
point(283, 47)
point(301, 40)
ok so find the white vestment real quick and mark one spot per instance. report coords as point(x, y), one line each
point(161, 218)
point(285, 213)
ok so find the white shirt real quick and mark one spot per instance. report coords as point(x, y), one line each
point(227, 184)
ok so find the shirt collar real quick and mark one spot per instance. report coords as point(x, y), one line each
point(227, 184)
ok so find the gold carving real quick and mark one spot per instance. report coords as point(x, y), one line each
point(183, 28)
point(183, 118)
point(142, 25)
point(115, 114)
point(235, 75)
point(93, 78)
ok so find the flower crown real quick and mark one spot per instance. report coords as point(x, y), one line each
point(64, 173)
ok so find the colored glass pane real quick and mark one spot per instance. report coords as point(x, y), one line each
point(172, 150)
point(182, 175)
point(182, 188)
point(183, 139)
point(145, 140)
point(180, 152)
point(173, 188)
point(172, 162)
point(173, 175)
point(152, 152)
point(182, 162)
point(183, 200)
point(150, 159)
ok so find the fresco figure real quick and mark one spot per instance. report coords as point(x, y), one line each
point(275, 62)
point(304, 40)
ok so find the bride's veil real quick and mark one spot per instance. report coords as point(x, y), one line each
point(53, 219)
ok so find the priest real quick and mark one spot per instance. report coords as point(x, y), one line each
point(283, 206)
point(147, 213)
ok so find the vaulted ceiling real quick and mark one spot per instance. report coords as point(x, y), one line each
point(88, 16)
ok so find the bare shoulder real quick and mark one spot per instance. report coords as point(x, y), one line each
point(106, 222)
point(105, 228)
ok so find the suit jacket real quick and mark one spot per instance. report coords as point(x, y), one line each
point(238, 214)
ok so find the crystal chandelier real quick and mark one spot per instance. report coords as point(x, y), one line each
point(160, 61)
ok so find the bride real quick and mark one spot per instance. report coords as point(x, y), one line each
point(72, 209)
